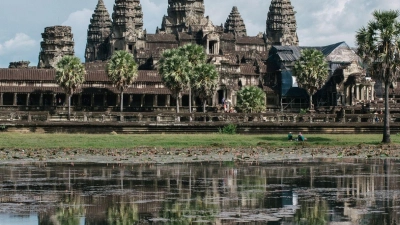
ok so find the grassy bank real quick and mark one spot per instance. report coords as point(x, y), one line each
point(107, 141)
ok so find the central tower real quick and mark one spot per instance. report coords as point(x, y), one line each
point(281, 24)
point(183, 15)
point(127, 27)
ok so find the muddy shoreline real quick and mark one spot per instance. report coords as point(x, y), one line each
point(185, 155)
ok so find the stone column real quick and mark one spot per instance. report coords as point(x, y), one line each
point(92, 101)
point(372, 90)
point(208, 47)
point(130, 100)
point(15, 99)
point(155, 100)
point(357, 92)
point(168, 100)
point(27, 99)
point(363, 93)
point(54, 100)
point(80, 100)
point(105, 99)
point(41, 99)
point(118, 99)
point(1, 98)
point(142, 100)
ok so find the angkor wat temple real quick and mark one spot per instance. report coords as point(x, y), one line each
point(264, 60)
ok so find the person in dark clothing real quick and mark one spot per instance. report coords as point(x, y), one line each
point(290, 136)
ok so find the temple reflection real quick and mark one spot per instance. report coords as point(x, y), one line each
point(339, 192)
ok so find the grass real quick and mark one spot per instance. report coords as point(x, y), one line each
point(107, 141)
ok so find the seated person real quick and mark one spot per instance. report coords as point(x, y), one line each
point(300, 137)
point(290, 136)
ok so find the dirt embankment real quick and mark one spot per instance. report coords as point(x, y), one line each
point(178, 155)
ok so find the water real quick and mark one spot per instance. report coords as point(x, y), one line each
point(338, 192)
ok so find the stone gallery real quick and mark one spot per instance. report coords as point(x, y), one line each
point(264, 60)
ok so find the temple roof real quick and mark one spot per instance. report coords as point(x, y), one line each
point(234, 23)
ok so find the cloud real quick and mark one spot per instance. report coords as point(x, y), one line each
point(21, 42)
point(79, 22)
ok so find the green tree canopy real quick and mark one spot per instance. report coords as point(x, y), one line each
point(379, 47)
point(122, 70)
point(206, 82)
point(185, 68)
point(174, 69)
point(311, 71)
point(70, 75)
point(251, 99)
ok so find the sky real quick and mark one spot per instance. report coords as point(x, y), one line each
point(320, 22)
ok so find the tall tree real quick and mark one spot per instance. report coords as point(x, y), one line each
point(122, 70)
point(206, 82)
point(311, 71)
point(70, 74)
point(196, 56)
point(251, 99)
point(174, 69)
point(379, 47)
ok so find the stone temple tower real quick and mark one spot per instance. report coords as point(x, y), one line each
point(182, 15)
point(97, 46)
point(127, 27)
point(57, 42)
point(281, 24)
point(234, 23)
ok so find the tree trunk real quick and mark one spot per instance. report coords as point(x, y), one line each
point(122, 101)
point(177, 108)
point(386, 126)
point(204, 105)
point(311, 104)
point(190, 99)
point(69, 107)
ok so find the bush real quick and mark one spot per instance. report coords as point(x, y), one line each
point(228, 129)
point(2, 127)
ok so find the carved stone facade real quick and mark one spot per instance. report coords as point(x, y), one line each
point(281, 24)
point(97, 47)
point(57, 42)
point(234, 24)
point(127, 26)
point(183, 16)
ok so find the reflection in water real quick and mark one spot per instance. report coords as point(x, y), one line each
point(318, 192)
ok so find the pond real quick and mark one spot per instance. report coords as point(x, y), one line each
point(318, 191)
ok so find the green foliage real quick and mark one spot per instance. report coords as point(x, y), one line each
point(379, 47)
point(251, 99)
point(311, 71)
point(303, 111)
point(122, 70)
point(70, 74)
point(228, 129)
point(186, 68)
point(3, 127)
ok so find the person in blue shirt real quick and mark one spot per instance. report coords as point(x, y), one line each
point(300, 137)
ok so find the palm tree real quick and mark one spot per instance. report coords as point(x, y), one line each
point(70, 74)
point(122, 70)
point(174, 69)
point(311, 71)
point(196, 56)
point(251, 99)
point(206, 81)
point(379, 47)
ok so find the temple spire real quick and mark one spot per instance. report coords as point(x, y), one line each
point(127, 27)
point(281, 24)
point(97, 46)
point(234, 23)
point(182, 15)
